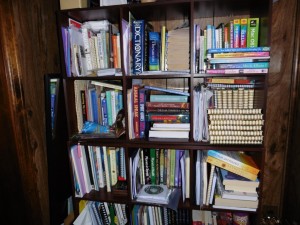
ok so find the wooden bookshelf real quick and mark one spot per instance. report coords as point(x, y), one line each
point(171, 14)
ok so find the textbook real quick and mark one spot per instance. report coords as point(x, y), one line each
point(248, 49)
point(237, 159)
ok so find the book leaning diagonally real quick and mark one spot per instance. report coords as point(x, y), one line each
point(237, 159)
point(108, 85)
point(231, 168)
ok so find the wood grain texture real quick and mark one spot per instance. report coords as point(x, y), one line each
point(29, 42)
point(279, 100)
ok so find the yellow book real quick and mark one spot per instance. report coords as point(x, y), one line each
point(237, 159)
point(231, 168)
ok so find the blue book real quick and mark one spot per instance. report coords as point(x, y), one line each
point(258, 65)
point(94, 105)
point(109, 107)
point(138, 28)
point(254, 49)
point(172, 91)
point(168, 98)
point(154, 51)
point(177, 165)
point(104, 109)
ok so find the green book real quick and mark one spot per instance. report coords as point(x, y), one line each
point(252, 32)
point(109, 107)
point(172, 168)
point(153, 165)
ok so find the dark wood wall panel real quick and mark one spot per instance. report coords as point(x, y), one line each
point(279, 100)
point(29, 41)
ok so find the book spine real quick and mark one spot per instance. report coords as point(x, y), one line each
point(152, 166)
point(237, 33)
point(142, 102)
point(154, 50)
point(237, 71)
point(138, 29)
point(231, 34)
point(83, 106)
point(176, 173)
point(168, 118)
point(248, 49)
point(167, 105)
point(113, 165)
point(104, 109)
point(161, 166)
point(240, 54)
point(231, 168)
point(252, 34)
point(254, 65)
point(239, 60)
point(115, 50)
point(172, 167)
point(107, 175)
point(136, 116)
point(109, 107)
point(163, 48)
point(94, 105)
point(172, 91)
point(235, 162)
point(168, 98)
point(157, 166)
point(147, 165)
point(244, 25)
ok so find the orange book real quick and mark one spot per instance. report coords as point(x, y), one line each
point(115, 50)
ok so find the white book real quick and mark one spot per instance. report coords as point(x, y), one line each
point(93, 167)
point(210, 183)
point(240, 188)
point(108, 85)
point(168, 134)
point(113, 165)
point(234, 208)
point(99, 168)
point(107, 173)
point(169, 129)
point(171, 125)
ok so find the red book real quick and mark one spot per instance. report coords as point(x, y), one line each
point(167, 105)
point(136, 117)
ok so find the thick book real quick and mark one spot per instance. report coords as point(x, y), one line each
point(239, 59)
point(168, 117)
point(231, 168)
point(140, 31)
point(169, 134)
point(244, 25)
point(219, 201)
point(167, 90)
point(238, 159)
point(229, 178)
point(252, 32)
point(248, 49)
point(142, 111)
point(154, 51)
point(240, 54)
point(168, 98)
point(167, 105)
point(237, 71)
point(136, 113)
point(236, 33)
point(246, 65)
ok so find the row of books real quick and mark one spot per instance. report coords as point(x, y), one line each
point(97, 101)
point(102, 213)
point(149, 105)
point(153, 215)
point(90, 47)
point(95, 168)
point(227, 180)
point(164, 169)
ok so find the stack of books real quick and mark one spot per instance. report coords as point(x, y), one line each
point(159, 113)
point(232, 182)
point(228, 196)
point(235, 115)
point(238, 60)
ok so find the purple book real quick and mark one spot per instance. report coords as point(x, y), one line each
point(76, 154)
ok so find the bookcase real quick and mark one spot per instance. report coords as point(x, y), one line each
point(235, 93)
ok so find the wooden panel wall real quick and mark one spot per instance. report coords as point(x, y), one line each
point(29, 45)
point(29, 49)
point(279, 101)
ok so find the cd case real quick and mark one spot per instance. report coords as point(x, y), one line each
point(154, 193)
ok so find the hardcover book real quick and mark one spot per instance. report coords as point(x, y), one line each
point(237, 159)
point(154, 51)
point(252, 32)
